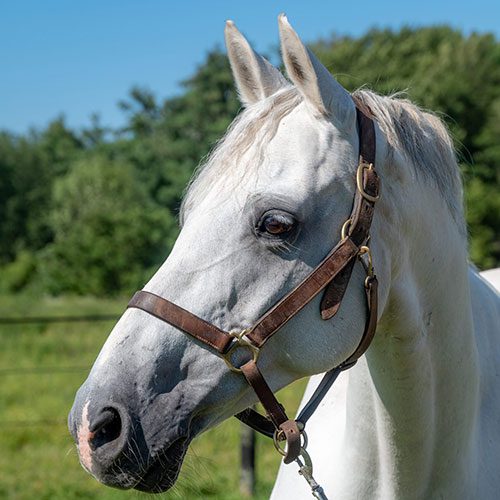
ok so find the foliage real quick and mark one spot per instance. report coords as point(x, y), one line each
point(54, 238)
point(107, 231)
point(17, 275)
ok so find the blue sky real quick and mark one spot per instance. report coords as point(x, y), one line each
point(79, 57)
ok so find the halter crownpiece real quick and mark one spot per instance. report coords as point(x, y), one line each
point(331, 276)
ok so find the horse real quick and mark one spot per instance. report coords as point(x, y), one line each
point(417, 415)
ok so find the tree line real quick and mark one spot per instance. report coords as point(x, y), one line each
point(94, 211)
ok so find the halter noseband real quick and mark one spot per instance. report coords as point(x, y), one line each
point(332, 275)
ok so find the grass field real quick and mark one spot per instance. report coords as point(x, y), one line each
point(41, 367)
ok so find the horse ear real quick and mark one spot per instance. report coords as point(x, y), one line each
point(255, 77)
point(313, 80)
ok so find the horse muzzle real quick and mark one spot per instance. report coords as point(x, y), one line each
point(113, 447)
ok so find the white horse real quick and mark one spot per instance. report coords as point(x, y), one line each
point(418, 416)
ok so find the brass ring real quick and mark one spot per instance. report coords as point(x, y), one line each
point(279, 437)
point(240, 342)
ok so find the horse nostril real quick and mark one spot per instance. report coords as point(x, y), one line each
point(106, 427)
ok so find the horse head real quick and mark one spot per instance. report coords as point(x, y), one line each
point(260, 215)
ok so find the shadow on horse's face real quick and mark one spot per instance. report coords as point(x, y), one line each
point(244, 244)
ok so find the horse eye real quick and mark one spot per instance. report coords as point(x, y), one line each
point(276, 224)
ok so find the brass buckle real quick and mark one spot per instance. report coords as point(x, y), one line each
point(359, 182)
point(241, 341)
point(345, 228)
point(279, 437)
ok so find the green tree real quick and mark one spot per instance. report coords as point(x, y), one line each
point(107, 233)
point(28, 167)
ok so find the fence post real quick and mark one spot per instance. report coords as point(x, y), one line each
point(247, 472)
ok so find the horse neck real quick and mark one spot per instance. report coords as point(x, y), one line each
point(411, 402)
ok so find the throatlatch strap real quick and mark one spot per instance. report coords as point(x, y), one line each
point(371, 288)
point(320, 392)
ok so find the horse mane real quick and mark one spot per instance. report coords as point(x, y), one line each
point(420, 136)
point(425, 143)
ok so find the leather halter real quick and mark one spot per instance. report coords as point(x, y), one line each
point(331, 275)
